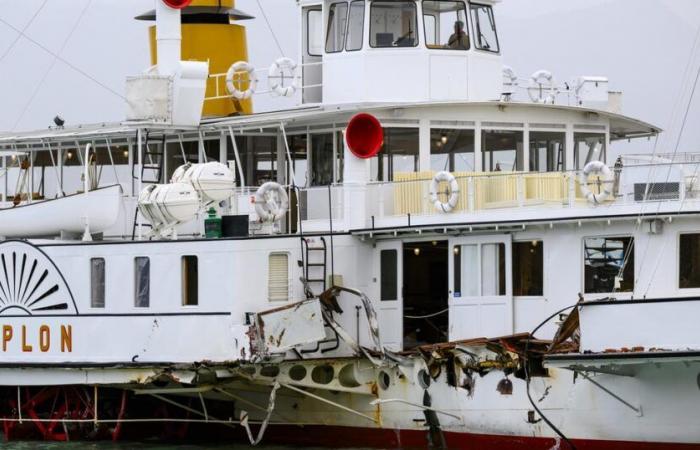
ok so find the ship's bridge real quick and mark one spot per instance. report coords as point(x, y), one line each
point(400, 51)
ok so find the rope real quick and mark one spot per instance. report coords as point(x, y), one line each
point(19, 35)
point(272, 31)
point(428, 316)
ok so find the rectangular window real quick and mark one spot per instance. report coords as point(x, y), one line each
point(278, 277)
point(493, 269)
point(399, 153)
point(337, 22)
point(446, 25)
point(314, 32)
point(97, 282)
point(609, 265)
point(322, 159)
point(142, 282)
point(547, 151)
point(528, 268)
point(689, 261)
point(452, 150)
point(502, 150)
point(480, 270)
point(356, 25)
point(393, 24)
point(485, 35)
point(389, 275)
point(588, 147)
point(190, 281)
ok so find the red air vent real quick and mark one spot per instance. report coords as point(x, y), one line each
point(178, 4)
point(364, 135)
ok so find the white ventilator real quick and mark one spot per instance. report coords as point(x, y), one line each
point(271, 202)
point(167, 205)
point(213, 181)
point(605, 180)
point(453, 198)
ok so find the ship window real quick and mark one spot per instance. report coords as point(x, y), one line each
point(547, 151)
point(399, 154)
point(452, 150)
point(485, 35)
point(689, 261)
point(299, 153)
point(337, 21)
point(588, 147)
point(322, 159)
point(142, 282)
point(97, 282)
point(356, 24)
point(393, 24)
point(528, 268)
point(278, 277)
point(609, 265)
point(389, 275)
point(472, 259)
point(190, 281)
point(502, 150)
point(314, 31)
point(446, 25)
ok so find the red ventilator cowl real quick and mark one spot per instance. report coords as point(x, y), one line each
point(364, 135)
point(177, 4)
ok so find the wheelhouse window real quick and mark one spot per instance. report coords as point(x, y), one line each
point(97, 283)
point(393, 24)
point(485, 36)
point(389, 275)
point(142, 282)
point(278, 277)
point(356, 24)
point(445, 25)
point(588, 147)
point(502, 150)
point(608, 265)
point(190, 281)
point(689, 261)
point(337, 22)
point(399, 153)
point(528, 268)
point(547, 151)
point(452, 150)
point(314, 32)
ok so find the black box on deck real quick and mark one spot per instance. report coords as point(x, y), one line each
point(234, 226)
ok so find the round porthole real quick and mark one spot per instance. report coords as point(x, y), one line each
point(384, 380)
point(423, 379)
point(270, 371)
point(297, 373)
point(322, 374)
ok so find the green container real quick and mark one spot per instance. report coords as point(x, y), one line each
point(212, 225)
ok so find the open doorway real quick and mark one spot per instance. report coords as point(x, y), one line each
point(425, 292)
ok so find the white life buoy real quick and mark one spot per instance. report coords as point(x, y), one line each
point(281, 70)
point(542, 87)
point(451, 203)
point(271, 202)
point(596, 168)
point(239, 68)
point(510, 80)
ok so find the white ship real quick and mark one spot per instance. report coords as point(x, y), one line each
point(428, 252)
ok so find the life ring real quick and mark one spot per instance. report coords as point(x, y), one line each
point(510, 79)
point(271, 202)
point(238, 67)
point(596, 168)
point(279, 70)
point(542, 87)
point(451, 203)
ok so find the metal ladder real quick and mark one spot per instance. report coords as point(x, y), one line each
point(154, 163)
point(311, 267)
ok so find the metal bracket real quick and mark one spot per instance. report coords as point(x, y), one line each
point(637, 409)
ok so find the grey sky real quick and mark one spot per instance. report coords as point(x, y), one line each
point(643, 46)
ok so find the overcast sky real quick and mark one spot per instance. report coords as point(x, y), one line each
point(643, 46)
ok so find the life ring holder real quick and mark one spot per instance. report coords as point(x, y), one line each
point(279, 70)
point(596, 168)
point(542, 87)
point(267, 208)
point(238, 67)
point(451, 203)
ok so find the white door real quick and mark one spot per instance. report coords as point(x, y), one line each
point(388, 281)
point(481, 287)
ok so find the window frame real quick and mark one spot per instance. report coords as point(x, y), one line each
point(308, 32)
point(474, 28)
point(680, 235)
point(136, 274)
point(185, 261)
point(436, 18)
point(415, 10)
point(332, 8)
point(632, 239)
point(394, 286)
point(540, 243)
point(347, 27)
point(93, 304)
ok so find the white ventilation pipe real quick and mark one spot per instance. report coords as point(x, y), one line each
point(168, 39)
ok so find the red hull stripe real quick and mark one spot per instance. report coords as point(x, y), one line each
point(338, 437)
